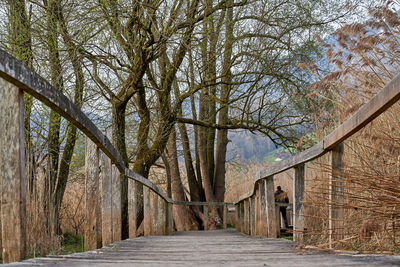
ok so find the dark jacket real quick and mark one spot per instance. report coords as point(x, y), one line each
point(281, 196)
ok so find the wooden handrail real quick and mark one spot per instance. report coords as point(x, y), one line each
point(32, 83)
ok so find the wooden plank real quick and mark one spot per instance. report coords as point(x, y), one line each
point(273, 227)
point(336, 197)
point(225, 216)
point(106, 200)
point(154, 213)
point(92, 229)
point(383, 100)
point(263, 209)
point(146, 211)
point(198, 203)
point(257, 208)
point(132, 199)
point(162, 216)
point(237, 223)
point(12, 171)
point(252, 215)
point(170, 219)
point(298, 203)
point(116, 191)
point(246, 216)
point(205, 214)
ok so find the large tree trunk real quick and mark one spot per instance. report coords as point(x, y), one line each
point(222, 136)
point(182, 217)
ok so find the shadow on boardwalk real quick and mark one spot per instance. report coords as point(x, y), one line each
point(208, 248)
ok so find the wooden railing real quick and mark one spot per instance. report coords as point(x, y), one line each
point(15, 79)
point(256, 211)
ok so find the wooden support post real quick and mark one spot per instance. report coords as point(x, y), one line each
point(132, 199)
point(146, 211)
point(278, 220)
point(298, 203)
point(154, 213)
point(205, 212)
point(162, 216)
point(12, 173)
point(170, 219)
point(116, 191)
point(237, 210)
point(252, 221)
point(225, 216)
point(258, 209)
point(336, 197)
point(242, 217)
point(263, 209)
point(272, 215)
point(246, 216)
point(106, 200)
point(92, 231)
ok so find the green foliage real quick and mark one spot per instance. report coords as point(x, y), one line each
point(71, 243)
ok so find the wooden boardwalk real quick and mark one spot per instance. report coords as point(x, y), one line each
point(208, 248)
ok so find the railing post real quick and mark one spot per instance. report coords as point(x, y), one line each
point(116, 209)
point(252, 215)
point(92, 231)
point(106, 200)
point(336, 197)
point(170, 219)
point(132, 199)
point(237, 211)
point(12, 164)
point(298, 203)
point(205, 212)
point(154, 213)
point(263, 209)
point(258, 209)
point(146, 211)
point(242, 217)
point(246, 216)
point(163, 216)
point(272, 215)
point(225, 216)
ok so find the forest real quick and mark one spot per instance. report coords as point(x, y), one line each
point(172, 83)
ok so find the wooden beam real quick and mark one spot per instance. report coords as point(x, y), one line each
point(263, 209)
point(336, 196)
point(298, 203)
point(92, 230)
point(12, 173)
point(146, 211)
point(154, 213)
point(205, 214)
point(116, 191)
point(170, 219)
point(132, 199)
point(106, 200)
point(225, 216)
point(273, 227)
point(383, 100)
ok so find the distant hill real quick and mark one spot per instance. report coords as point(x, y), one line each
point(248, 147)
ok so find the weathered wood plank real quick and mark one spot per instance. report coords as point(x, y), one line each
point(383, 100)
point(170, 219)
point(154, 213)
point(225, 216)
point(162, 216)
point(263, 209)
point(92, 229)
point(12, 171)
point(106, 200)
point(273, 227)
point(336, 197)
point(205, 214)
point(258, 208)
point(146, 211)
point(116, 209)
point(132, 199)
point(197, 203)
point(298, 203)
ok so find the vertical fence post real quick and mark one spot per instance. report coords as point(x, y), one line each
point(246, 216)
point(298, 203)
point(106, 200)
point(170, 219)
point(205, 212)
point(163, 216)
point(237, 211)
point(116, 209)
point(263, 209)
point(252, 215)
point(258, 209)
point(146, 211)
point(12, 171)
point(225, 216)
point(132, 199)
point(336, 197)
point(272, 215)
point(92, 234)
point(154, 212)
point(242, 217)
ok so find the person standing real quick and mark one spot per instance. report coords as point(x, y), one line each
point(282, 197)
